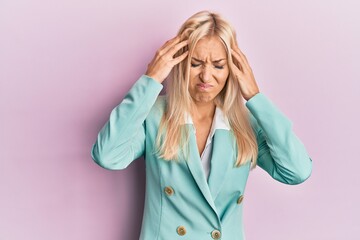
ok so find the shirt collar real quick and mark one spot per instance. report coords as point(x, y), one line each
point(220, 121)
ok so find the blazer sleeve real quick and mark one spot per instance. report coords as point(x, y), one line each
point(122, 139)
point(280, 151)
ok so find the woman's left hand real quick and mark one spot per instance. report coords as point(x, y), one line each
point(244, 74)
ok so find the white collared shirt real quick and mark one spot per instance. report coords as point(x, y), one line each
point(220, 121)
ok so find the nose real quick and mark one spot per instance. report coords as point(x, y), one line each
point(205, 75)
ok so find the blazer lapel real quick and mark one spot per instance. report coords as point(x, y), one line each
point(222, 160)
point(195, 167)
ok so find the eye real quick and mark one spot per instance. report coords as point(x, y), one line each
point(194, 65)
point(219, 67)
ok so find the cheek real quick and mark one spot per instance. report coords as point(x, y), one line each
point(222, 85)
point(193, 73)
point(192, 83)
point(194, 76)
point(223, 76)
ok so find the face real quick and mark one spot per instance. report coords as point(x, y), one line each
point(209, 70)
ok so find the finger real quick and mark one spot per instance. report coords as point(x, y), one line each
point(177, 47)
point(241, 74)
point(179, 58)
point(169, 44)
point(234, 66)
point(244, 64)
point(238, 55)
point(238, 59)
point(242, 55)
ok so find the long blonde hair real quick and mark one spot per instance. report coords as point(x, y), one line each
point(171, 136)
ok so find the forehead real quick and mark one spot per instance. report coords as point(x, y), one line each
point(210, 47)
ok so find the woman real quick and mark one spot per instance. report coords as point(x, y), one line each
point(200, 140)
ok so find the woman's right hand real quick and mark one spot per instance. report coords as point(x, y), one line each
point(163, 61)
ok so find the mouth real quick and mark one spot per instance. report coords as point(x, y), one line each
point(204, 86)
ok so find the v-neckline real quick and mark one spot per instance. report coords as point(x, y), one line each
point(207, 138)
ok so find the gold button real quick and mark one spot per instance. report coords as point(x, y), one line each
point(240, 199)
point(181, 230)
point(215, 234)
point(169, 191)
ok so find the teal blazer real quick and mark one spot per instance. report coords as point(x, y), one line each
point(179, 202)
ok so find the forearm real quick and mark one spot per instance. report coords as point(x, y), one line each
point(281, 153)
point(121, 139)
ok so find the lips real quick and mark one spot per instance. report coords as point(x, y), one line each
point(204, 85)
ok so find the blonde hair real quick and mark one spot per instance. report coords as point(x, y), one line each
point(171, 136)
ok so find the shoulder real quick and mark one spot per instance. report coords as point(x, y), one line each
point(160, 104)
point(157, 109)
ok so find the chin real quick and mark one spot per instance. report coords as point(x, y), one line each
point(202, 98)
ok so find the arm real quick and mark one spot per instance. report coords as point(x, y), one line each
point(281, 153)
point(122, 139)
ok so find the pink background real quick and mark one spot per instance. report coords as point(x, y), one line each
point(64, 65)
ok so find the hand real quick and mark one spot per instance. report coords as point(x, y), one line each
point(162, 63)
point(244, 74)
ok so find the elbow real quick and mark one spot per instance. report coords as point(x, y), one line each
point(302, 175)
point(96, 156)
point(110, 160)
point(99, 158)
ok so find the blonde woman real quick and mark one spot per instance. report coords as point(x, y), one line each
point(201, 139)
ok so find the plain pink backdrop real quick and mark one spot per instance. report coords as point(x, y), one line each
point(64, 65)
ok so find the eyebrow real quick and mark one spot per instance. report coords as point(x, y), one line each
point(216, 61)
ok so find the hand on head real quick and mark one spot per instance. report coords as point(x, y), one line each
point(163, 61)
point(244, 74)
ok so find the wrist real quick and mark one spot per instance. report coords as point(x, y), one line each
point(153, 77)
point(252, 95)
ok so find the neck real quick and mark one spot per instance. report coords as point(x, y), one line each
point(203, 111)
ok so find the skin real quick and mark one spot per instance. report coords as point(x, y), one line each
point(163, 61)
point(204, 71)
